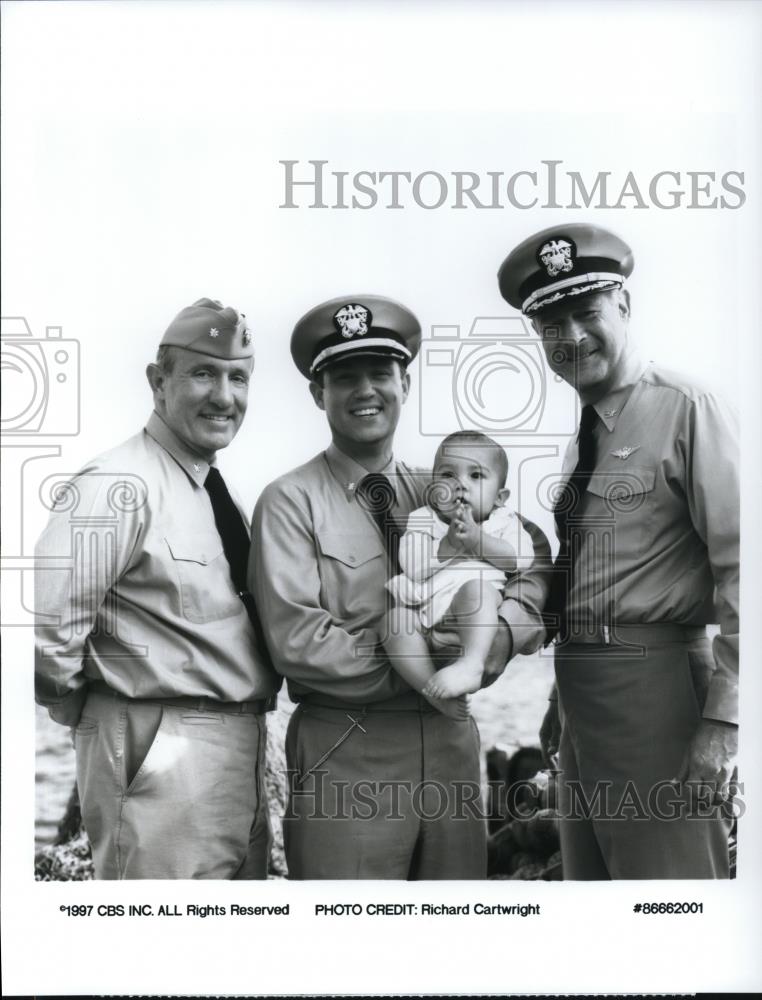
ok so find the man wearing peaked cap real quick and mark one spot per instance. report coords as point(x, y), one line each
point(563, 264)
point(647, 521)
point(362, 746)
point(149, 646)
point(369, 325)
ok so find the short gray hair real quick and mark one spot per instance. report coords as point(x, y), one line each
point(165, 358)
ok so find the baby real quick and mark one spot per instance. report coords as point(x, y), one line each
point(454, 557)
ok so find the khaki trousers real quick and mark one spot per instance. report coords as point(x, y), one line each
point(627, 722)
point(172, 793)
point(398, 799)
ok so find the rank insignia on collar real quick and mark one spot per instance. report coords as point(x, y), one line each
point(196, 467)
point(624, 453)
point(610, 413)
point(353, 320)
point(214, 332)
point(557, 256)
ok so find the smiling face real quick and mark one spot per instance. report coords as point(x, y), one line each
point(586, 341)
point(362, 398)
point(467, 474)
point(201, 398)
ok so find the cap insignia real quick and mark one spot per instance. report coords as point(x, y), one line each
point(557, 256)
point(246, 337)
point(214, 332)
point(353, 320)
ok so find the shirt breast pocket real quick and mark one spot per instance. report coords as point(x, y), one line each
point(620, 502)
point(206, 589)
point(352, 574)
point(351, 549)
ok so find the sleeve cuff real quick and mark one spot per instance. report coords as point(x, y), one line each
point(722, 701)
point(526, 632)
point(68, 710)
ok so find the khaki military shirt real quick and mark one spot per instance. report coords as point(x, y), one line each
point(318, 571)
point(133, 588)
point(661, 519)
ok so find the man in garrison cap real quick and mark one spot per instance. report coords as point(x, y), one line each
point(383, 785)
point(148, 645)
point(647, 520)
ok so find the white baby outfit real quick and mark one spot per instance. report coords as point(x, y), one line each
point(429, 584)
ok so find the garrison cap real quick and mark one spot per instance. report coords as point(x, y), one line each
point(210, 328)
point(351, 326)
point(563, 262)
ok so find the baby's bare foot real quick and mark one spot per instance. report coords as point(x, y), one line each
point(462, 677)
point(453, 708)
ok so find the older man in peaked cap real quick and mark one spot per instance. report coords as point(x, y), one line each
point(647, 521)
point(384, 786)
point(150, 649)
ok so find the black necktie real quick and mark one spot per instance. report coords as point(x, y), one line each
point(375, 494)
point(235, 543)
point(565, 514)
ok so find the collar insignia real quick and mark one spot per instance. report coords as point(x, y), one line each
point(610, 413)
point(557, 256)
point(624, 453)
point(353, 320)
point(196, 467)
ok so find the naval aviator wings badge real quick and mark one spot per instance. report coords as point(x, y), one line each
point(624, 453)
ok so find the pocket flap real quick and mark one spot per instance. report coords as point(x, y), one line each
point(621, 484)
point(350, 548)
point(199, 548)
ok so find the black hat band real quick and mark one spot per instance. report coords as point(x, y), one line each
point(377, 341)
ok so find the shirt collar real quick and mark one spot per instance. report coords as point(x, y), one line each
point(610, 407)
point(194, 466)
point(349, 472)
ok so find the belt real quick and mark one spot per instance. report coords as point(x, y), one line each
point(631, 635)
point(408, 702)
point(201, 704)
